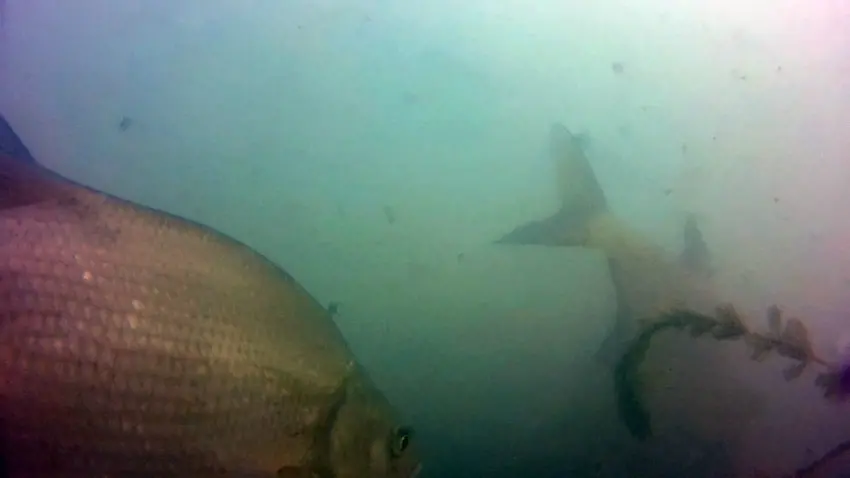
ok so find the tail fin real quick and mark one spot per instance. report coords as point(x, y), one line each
point(11, 145)
point(580, 193)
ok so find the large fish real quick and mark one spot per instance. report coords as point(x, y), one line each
point(134, 343)
point(697, 395)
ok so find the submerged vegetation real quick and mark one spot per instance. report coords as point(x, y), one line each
point(788, 338)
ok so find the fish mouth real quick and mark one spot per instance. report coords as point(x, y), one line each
point(416, 471)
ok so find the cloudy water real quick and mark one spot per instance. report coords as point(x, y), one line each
point(487, 195)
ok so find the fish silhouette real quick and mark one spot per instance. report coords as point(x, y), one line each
point(647, 281)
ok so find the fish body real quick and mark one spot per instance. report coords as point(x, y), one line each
point(647, 281)
point(134, 343)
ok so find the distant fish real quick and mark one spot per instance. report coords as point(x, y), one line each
point(137, 343)
point(646, 282)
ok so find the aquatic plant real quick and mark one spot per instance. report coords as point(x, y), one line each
point(788, 338)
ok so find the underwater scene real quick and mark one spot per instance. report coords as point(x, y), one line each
point(433, 239)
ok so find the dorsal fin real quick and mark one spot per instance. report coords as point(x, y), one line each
point(11, 144)
point(22, 180)
point(581, 197)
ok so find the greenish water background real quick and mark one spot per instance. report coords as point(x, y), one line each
point(296, 126)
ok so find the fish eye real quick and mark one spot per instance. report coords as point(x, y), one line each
point(400, 440)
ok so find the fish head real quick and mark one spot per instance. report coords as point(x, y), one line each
point(368, 439)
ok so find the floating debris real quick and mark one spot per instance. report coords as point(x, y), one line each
point(410, 98)
point(333, 308)
point(125, 123)
point(618, 67)
point(835, 383)
point(791, 341)
point(389, 213)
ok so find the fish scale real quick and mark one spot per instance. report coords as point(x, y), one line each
point(162, 346)
point(134, 343)
point(102, 338)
